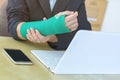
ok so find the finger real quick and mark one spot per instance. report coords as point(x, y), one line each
point(44, 18)
point(29, 37)
point(32, 31)
point(74, 27)
point(64, 13)
point(71, 17)
point(67, 13)
point(33, 34)
point(38, 34)
point(42, 38)
point(71, 22)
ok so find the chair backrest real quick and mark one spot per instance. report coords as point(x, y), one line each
point(3, 18)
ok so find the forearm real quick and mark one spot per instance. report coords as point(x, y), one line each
point(52, 38)
point(47, 27)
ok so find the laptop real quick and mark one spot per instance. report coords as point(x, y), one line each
point(90, 52)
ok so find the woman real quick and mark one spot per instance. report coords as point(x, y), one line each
point(20, 11)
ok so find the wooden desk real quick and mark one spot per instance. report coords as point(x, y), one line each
point(10, 71)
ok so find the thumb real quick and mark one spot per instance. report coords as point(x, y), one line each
point(65, 13)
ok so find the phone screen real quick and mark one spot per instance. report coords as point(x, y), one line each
point(17, 56)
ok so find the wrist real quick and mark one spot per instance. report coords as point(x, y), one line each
point(53, 39)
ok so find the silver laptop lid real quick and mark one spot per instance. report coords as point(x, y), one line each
point(91, 52)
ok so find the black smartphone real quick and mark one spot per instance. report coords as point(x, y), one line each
point(17, 56)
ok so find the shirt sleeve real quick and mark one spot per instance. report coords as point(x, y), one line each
point(17, 12)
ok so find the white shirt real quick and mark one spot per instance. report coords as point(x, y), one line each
point(52, 4)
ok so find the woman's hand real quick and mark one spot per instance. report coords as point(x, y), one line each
point(36, 37)
point(70, 19)
point(71, 23)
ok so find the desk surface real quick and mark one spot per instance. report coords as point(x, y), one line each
point(10, 71)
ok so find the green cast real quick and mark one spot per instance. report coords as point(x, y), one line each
point(47, 27)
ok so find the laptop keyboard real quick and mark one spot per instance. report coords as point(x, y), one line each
point(49, 58)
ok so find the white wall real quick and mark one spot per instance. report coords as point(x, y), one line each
point(111, 21)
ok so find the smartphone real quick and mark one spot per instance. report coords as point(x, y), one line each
point(17, 56)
